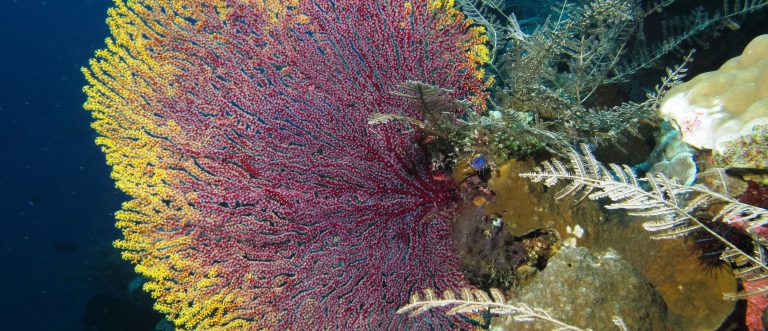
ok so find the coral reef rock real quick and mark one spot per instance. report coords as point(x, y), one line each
point(692, 292)
point(526, 206)
point(722, 105)
point(586, 291)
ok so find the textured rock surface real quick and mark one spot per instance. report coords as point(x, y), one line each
point(492, 257)
point(527, 206)
point(585, 290)
point(692, 293)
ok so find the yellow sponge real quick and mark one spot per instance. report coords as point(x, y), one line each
point(722, 105)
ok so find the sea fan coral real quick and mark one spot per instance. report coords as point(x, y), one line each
point(260, 197)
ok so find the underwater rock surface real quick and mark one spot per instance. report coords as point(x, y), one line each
point(587, 290)
point(693, 293)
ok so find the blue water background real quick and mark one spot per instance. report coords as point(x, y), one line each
point(57, 202)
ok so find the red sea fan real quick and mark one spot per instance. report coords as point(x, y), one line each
point(260, 197)
point(756, 195)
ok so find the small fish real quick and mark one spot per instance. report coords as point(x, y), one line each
point(478, 163)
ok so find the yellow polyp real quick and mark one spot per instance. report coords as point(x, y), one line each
point(204, 283)
point(441, 4)
point(480, 73)
point(408, 8)
point(129, 245)
point(479, 201)
point(151, 287)
point(148, 272)
point(480, 52)
point(165, 309)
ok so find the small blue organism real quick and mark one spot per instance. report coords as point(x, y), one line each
point(478, 163)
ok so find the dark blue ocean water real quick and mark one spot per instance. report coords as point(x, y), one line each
point(59, 271)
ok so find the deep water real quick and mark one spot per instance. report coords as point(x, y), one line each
point(56, 198)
